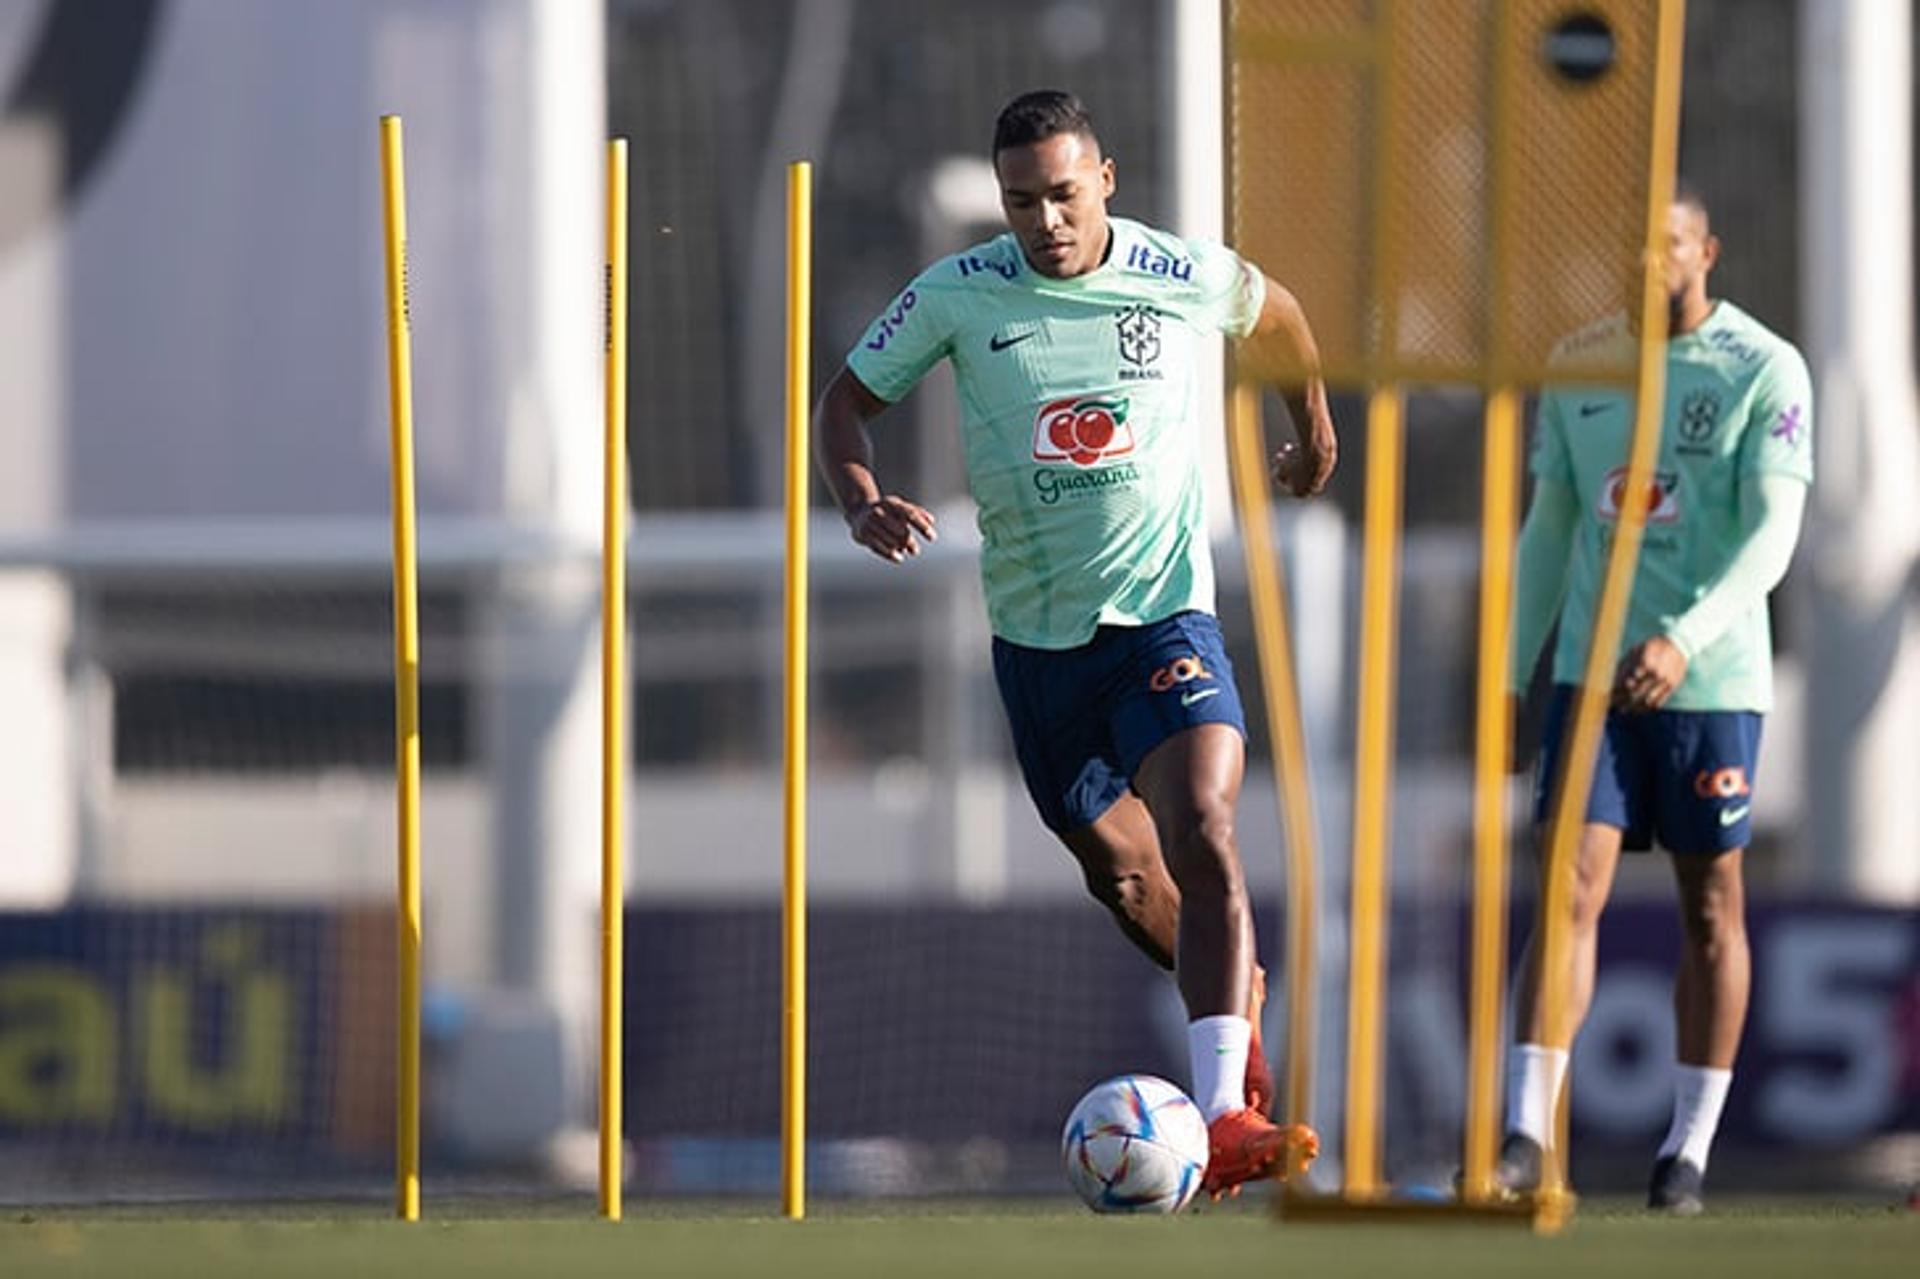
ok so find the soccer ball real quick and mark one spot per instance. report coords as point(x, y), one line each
point(1135, 1144)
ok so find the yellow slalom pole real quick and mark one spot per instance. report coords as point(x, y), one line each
point(1610, 617)
point(1373, 791)
point(406, 667)
point(613, 688)
point(1493, 727)
point(1493, 749)
point(793, 1037)
point(1266, 588)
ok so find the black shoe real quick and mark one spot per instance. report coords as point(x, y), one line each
point(1518, 1171)
point(1675, 1187)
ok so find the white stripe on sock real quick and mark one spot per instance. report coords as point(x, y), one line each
point(1699, 1094)
point(1217, 1048)
point(1534, 1077)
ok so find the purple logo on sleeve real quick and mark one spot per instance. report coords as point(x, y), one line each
point(1789, 426)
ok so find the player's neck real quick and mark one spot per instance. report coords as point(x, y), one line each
point(1693, 313)
point(1099, 259)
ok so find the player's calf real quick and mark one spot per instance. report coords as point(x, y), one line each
point(1258, 1083)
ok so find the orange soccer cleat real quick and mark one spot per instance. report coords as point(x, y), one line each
point(1244, 1145)
point(1259, 1078)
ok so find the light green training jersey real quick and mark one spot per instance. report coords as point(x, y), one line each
point(1739, 404)
point(1079, 418)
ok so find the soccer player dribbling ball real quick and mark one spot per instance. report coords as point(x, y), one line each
point(1073, 339)
point(1682, 736)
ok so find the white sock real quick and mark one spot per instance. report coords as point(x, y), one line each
point(1217, 1047)
point(1699, 1092)
point(1534, 1076)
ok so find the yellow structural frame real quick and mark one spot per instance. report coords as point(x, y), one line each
point(1363, 1194)
point(406, 669)
point(1266, 588)
point(613, 684)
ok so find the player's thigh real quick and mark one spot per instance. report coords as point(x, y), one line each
point(1193, 777)
point(1705, 787)
point(1596, 861)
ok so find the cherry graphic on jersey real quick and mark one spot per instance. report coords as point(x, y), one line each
point(1093, 428)
point(1084, 430)
point(1060, 430)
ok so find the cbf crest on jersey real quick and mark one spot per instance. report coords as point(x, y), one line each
point(1139, 327)
point(1699, 414)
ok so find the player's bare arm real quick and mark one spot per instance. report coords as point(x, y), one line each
point(1304, 467)
point(885, 523)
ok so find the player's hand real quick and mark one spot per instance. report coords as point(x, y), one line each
point(1303, 469)
point(1648, 675)
point(891, 527)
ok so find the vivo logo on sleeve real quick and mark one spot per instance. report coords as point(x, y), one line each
point(892, 322)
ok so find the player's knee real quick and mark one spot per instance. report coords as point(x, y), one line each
point(1713, 917)
point(1125, 892)
point(1204, 852)
point(1589, 900)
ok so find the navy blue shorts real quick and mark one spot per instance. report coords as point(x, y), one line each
point(1084, 718)
point(1684, 778)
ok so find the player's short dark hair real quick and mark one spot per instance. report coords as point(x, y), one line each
point(1685, 192)
point(1038, 115)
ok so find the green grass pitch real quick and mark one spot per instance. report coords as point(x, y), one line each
point(967, 1240)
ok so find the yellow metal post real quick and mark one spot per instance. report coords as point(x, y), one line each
point(1493, 749)
point(1373, 790)
point(406, 668)
point(1493, 728)
point(1369, 900)
point(1583, 747)
point(613, 686)
point(793, 1042)
point(1266, 587)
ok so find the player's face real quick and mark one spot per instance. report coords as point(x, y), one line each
point(1691, 252)
point(1054, 193)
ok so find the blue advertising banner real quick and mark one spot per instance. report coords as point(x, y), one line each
point(950, 1023)
point(180, 1026)
point(1831, 1054)
point(224, 1030)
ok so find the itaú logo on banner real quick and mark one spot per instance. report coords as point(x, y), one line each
point(1082, 430)
point(1663, 506)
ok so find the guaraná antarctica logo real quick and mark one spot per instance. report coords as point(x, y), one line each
point(1663, 502)
point(1084, 430)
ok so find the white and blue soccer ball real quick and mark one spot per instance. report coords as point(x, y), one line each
point(1135, 1143)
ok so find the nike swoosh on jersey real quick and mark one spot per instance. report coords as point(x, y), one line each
point(1588, 410)
point(1198, 695)
point(1728, 816)
point(998, 343)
